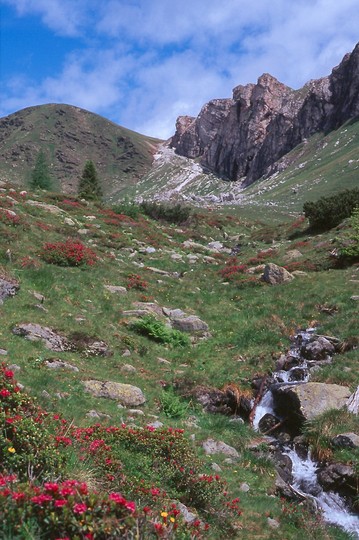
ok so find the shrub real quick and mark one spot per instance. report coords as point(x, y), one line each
point(351, 250)
point(69, 253)
point(128, 208)
point(158, 331)
point(172, 405)
point(328, 212)
point(134, 281)
point(172, 214)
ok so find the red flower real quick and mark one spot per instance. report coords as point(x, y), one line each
point(79, 508)
point(8, 374)
point(5, 393)
point(51, 486)
point(18, 496)
point(60, 503)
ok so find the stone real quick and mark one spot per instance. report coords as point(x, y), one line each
point(55, 363)
point(191, 324)
point(355, 297)
point(244, 487)
point(173, 313)
point(83, 232)
point(126, 353)
point(306, 401)
point(8, 288)
point(163, 361)
point(188, 516)
point(53, 209)
point(276, 275)
point(40, 297)
point(36, 332)
point(125, 394)
point(95, 414)
point(69, 221)
point(346, 440)
point(292, 255)
point(211, 446)
point(116, 289)
point(273, 523)
point(317, 349)
point(135, 412)
point(14, 367)
point(215, 467)
point(353, 402)
point(155, 425)
point(150, 250)
point(336, 476)
point(128, 368)
point(3, 352)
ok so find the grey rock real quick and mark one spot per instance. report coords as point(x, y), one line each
point(353, 402)
point(3, 352)
point(126, 353)
point(318, 349)
point(215, 467)
point(55, 363)
point(125, 394)
point(36, 332)
point(191, 324)
point(336, 476)
point(14, 367)
point(47, 207)
point(188, 516)
point(273, 523)
point(275, 275)
point(135, 412)
point(244, 487)
point(116, 289)
point(173, 313)
point(346, 440)
point(155, 425)
point(7, 289)
point(211, 446)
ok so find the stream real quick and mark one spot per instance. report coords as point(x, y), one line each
point(304, 469)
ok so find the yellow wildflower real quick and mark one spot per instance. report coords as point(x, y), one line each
point(172, 519)
point(11, 449)
point(164, 514)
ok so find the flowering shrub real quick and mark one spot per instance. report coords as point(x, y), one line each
point(69, 253)
point(22, 426)
point(9, 217)
point(134, 281)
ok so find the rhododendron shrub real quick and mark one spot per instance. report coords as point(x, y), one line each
point(69, 253)
point(22, 426)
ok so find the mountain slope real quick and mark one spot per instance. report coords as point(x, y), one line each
point(69, 136)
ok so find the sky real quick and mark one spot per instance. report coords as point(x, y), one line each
point(143, 63)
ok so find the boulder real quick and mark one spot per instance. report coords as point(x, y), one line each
point(35, 332)
point(346, 440)
point(292, 255)
point(211, 446)
point(126, 394)
point(7, 288)
point(336, 477)
point(275, 275)
point(191, 324)
point(55, 363)
point(53, 209)
point(317, 349)
point(306, 401)
point(116, 289)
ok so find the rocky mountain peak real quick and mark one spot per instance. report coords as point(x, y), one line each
point(242, 138)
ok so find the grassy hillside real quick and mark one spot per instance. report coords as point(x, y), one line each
point(70, 136)
point(173, 266)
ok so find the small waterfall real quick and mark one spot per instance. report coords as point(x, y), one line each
point(304, 471)
point(333, 508)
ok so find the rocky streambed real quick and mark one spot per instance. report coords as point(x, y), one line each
point(285, 401)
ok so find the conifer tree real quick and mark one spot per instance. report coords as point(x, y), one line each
point(40, 175)
point(89, 187)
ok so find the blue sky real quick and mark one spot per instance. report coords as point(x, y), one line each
point(142, 63)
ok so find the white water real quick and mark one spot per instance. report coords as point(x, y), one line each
point(304, 471)
point(333, 508)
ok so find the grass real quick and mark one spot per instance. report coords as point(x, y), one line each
point(250, 327)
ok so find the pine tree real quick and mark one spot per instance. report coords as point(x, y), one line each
point(40, 175)
point(89, 187)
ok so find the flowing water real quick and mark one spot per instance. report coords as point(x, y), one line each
point(304, 470)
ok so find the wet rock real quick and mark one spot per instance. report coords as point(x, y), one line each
point(318, 349)
point(191, 324)
point(125, 394)
point(298, 374)
point(337, 477)
point(55, 363)
point(306, 401)
point(276, 275)
point(211, 446)
point(267, 423)
point(353, 402)
point(346, 440)
point(35, 332)
point(283, 465)
point(8, 288)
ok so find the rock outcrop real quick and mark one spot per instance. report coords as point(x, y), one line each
point(126, 394)
point(242, 138)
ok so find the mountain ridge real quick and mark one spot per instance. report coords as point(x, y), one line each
point(242, 138)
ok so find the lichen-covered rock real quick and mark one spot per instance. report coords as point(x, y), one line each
point(125, 394)
point(7, 288)
point(275, 275)
point(36, 332)
point(306, 401)
point(191, 324)
point(211, 446)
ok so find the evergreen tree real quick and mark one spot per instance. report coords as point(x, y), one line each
point(40, 175)
point(89, 187)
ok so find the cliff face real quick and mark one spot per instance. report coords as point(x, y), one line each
point(243, 137)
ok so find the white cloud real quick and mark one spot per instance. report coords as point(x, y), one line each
point(157, 59)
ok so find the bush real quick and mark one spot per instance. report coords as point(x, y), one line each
point(127, 208)
point(172, 214)
point(158, 331)
point(69, 253)
point(172, 405)
point(328, 212)
point(351, 250)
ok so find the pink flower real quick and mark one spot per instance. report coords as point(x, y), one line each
point(8, 374)
point(5, 393)
point(131, 506)
point(52, 486)
point(117, 498)
point(18, 496)
point(40, 499)
point(79, 508)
